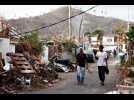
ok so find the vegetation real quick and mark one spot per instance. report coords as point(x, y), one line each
point(130, 61)
point(33, 40)
point(120, 30)
point(97, 32)
point(69, 45)
point(89, 36)
point(130, 35)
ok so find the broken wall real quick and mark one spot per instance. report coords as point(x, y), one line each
point(12, 48)
point(4, 47)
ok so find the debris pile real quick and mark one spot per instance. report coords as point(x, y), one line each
point(21, 63)
point(126, 85)
point(41, 70)
point(24, 73)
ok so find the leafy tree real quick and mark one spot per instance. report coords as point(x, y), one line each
point(97, 32)
point(130, 34)
point(33, 39)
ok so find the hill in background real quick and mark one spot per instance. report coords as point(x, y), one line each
point(90, 23)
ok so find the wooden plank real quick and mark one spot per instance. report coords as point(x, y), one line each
point(19, 58)
point(17, 54)
point(125, 87)
point(38, 63)
point(27, 71)
point(26, 67)
point(21, 63)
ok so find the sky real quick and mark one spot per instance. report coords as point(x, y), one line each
point(124, 12)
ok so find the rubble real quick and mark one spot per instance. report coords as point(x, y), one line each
point(46, 81)
point(55, 81)
point(123, 89)
point(126, 85)
point(7, 90)
point(24, 74)
point(50, 85)
point(25, 68)
point(112, 92)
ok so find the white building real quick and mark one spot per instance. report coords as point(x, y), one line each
point(108, 42)
point(94, 42)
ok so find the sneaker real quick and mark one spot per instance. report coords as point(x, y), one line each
point(78, 83)
point(89, 71)
point(82, 82)
point(102, 83)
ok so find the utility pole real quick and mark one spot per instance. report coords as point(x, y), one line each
point(128, 20)
point(128, 26)
point(69, 7)
point(80, 28)
point(83, 38)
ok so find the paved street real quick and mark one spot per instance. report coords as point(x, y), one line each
point(92, 83)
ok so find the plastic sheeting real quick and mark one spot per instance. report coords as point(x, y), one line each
point(7, 67)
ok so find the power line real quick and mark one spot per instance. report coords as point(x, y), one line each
point(59, 21)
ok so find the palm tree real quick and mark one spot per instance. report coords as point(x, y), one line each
point(89, 36)
point(81, 22)
point(99, 34)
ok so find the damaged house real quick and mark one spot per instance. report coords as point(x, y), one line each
point(20, 63)
point(5, 41)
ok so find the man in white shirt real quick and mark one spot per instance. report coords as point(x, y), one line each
point(101, 63)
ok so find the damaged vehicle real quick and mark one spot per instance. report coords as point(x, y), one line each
point(57, 66)
point(67, 63)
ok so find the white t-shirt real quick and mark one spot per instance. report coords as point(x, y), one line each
point(101, 58)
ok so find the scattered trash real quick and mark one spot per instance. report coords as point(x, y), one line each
point(55, 81)
point(112, 92)
point(46, 81)
point(50, 85)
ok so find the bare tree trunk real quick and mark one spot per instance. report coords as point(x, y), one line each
point(80, 28)
point(89, 39)
point(101, 41)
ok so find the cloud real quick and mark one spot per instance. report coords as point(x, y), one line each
point(15, 11)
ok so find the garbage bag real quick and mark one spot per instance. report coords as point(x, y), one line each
point(7, 67)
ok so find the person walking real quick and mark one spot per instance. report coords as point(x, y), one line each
point(90, 59)
point(102, 64)
point(81, 61)
point(114, 53)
